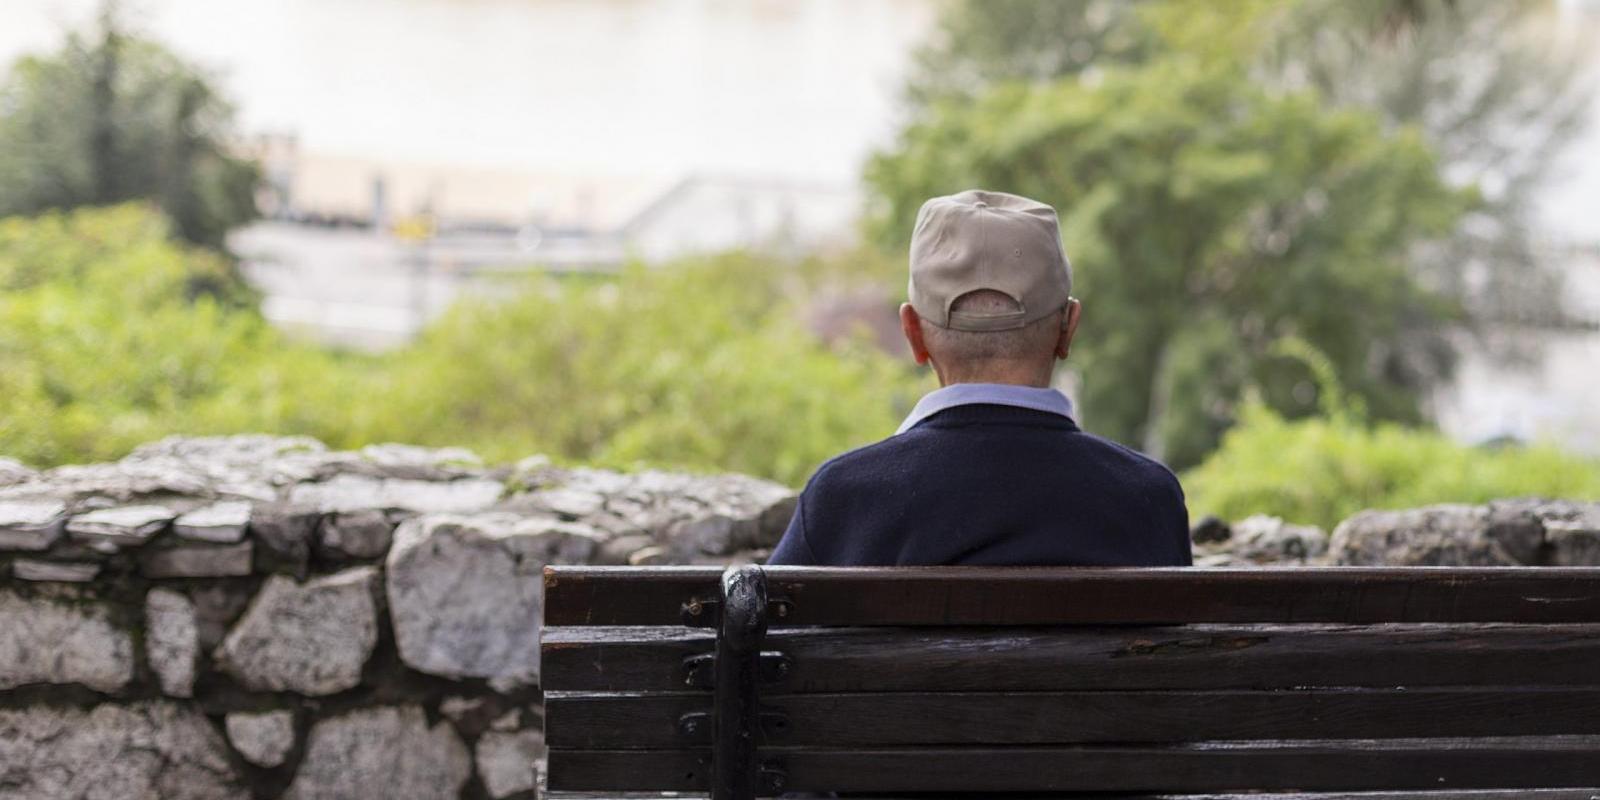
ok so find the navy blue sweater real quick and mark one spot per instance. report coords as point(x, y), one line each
point(990, 485)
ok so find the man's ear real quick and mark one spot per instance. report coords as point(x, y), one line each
point(1069, 327)
point(911, 326)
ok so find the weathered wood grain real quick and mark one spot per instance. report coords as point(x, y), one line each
point(1449, 794)
point(650, 721)
point(946, 596)
point(1078, 658)
point(1389, 765)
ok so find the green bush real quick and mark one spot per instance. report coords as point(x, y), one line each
point(1321, 470)
point(114, 335)
point(108, 343)
point(698, 364)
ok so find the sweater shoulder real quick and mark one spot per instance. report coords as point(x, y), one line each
point(1155, 469)
point(865, 460)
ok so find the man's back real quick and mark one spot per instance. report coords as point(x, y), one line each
point(990, 468)
point(988, 484)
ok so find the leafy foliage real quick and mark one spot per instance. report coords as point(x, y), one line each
point(984, 42)
point(697, 363)
point(1321, 470)
point(107, 344)
point(1483, 83)
point(1206, 219)
point(694, 365)
point(1493, 87)
point(119, 118)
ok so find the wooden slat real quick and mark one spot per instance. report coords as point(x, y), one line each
point(649, 721)
point(1463, 794)
point(1023, 659)
point(902, 596)
point(1211, 767)
point(1449, 794)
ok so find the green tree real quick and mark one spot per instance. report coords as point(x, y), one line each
point(983, 42)
point(114, 118)
point(1207, 218)
point(1498, 92)
point(1495, 89)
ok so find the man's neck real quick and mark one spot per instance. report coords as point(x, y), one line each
point(1035, 378)
point(1029, 384)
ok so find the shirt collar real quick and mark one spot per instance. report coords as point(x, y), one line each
point(997, 394)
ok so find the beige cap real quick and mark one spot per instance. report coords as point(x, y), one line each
point(987, 240)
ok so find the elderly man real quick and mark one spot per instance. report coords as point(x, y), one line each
point(991, 468)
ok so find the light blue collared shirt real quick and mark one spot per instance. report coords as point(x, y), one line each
point(996, 394)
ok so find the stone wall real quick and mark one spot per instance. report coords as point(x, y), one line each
point(263, 617)
point(1504, 533)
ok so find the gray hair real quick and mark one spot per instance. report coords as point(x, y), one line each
point(965, 350)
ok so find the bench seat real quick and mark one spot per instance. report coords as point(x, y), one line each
point(1336, 683)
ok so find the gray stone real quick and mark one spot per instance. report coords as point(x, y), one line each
point(139, 751)
point(355, 534)
point(421, 463)
point(311, 638)
point(652, 556)
point(572, 503)
point(534, 472)
point(48, 641)
point(465, 592)
point(217, 605)
point(341, 493)
point(709, 535)
point(607, 482)
point(263, 739)
point(1516, 526)
point(123, 526)
point(361, 493)
point(381, 752)
point(32, 569)
point(13, 472)
point(283, 533)
point(507, 722)
point(1442, 535)
point(1210, 530)
point(506, 761)
point(465, 711)
point(250, 466)
point(619, 550)
point(735, 513)
point(124, 482)
point(31, 525)
point(223, 522)
point(1261, 539)
point(1572, 533)
point(197, 560)
point(171, 640)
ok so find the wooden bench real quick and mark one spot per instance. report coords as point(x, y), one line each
point(1436, 683)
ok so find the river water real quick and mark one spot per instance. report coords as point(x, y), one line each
point(780, 88)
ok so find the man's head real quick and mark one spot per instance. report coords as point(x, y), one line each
point(990, 290)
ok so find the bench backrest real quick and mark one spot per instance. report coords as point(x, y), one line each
point(1178, 681)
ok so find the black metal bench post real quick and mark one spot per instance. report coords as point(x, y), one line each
point(736, 702)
